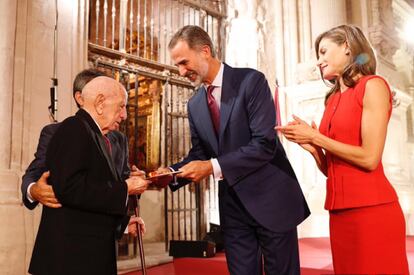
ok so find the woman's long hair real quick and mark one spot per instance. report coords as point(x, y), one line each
point(362, 55)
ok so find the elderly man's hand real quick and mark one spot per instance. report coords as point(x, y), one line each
point(132, 226)
point(196, 170)
point(137, 185)
point(135, 172)
point(43, 192)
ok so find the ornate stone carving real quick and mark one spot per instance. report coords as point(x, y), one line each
point(307, 71)
point(382, 33)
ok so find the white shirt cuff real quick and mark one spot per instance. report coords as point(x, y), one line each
point(126, 231)
point(28, 195)
point(216, 170)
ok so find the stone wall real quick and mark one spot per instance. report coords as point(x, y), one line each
point(26, 68)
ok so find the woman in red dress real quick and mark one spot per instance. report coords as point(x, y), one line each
point(367, 227)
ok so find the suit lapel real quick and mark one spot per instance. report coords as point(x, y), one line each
point(228, 95)
point(97, 137)
point(204, 118)
point(118, 143)
point(104, 151)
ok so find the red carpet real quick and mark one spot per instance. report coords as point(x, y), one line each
point(315, 259)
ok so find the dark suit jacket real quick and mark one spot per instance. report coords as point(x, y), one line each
point(79, 237)
point(252, 159)
point(37, 167)
point(120, 151)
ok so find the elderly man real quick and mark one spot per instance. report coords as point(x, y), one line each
point(78, 238)
point(34, 184)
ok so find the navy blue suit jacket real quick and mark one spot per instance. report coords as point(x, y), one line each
point(252, 159)
point(38, 166)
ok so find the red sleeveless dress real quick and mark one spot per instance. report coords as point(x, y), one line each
point(367, 227)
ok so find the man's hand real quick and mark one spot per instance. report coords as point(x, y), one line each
point(196, 170)
point(43, 192)
point(135, 172)
point(132, 226)
point(163, 170)
point(137, 185)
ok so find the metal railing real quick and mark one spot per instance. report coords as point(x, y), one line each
point(129, 39)
point(143, 28)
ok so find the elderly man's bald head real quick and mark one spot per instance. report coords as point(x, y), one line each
point(105, 100)
point(101, 85)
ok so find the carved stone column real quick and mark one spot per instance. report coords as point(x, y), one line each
point(242, 46)
point(11, 232)
point(326, 14)
point(315, 17)
point(7, 29)
point(382, 32)
point(305, 30)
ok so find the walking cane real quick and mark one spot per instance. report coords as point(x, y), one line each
point(135, 201)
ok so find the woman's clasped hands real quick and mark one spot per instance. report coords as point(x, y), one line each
point(300, 132)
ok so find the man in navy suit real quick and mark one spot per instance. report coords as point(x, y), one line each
point(231, 119)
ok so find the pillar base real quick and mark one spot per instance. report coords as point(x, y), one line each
point(12, 229)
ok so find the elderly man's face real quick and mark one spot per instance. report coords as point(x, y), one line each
point(114, 111)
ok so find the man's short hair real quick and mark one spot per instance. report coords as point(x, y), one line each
point(83, 78)
point(195, 37)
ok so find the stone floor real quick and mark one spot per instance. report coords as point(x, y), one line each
point(155, 254)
